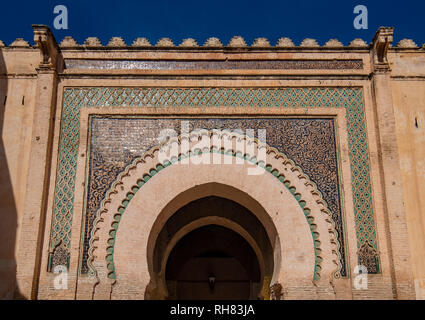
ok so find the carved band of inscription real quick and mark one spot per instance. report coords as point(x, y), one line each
point(212, 64)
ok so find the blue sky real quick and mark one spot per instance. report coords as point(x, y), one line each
point(179, 19)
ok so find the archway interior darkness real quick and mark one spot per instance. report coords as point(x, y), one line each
point(213, 262)
point(217, 239)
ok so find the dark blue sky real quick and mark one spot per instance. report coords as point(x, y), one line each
point(179, 19)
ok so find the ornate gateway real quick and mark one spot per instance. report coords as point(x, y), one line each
point(251, 172)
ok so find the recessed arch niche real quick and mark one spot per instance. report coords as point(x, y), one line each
point(245, 242)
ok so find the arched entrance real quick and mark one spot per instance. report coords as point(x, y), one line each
point(213, 239)
point(149, 192)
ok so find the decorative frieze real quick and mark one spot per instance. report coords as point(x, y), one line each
point(214, 64)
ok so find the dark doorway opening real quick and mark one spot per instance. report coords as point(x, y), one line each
point(213, 262)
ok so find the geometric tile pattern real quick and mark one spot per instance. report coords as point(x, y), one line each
point(65, 185)
point(350, 98)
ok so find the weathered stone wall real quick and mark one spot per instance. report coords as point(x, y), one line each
point(18, 80)
point(408, 90)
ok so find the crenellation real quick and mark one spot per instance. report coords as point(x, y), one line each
point(19, 43)
point(213, 42)
point(237, 42)
point(309, 43)
point(261, 42)
point(69, 42)
point(165, 42)
point(333, 43)
point(141, 42)
point(407, 44)
point(92, 42)
point(358, 43)
point(285, 43)
point(189, 43)
point(116, 42)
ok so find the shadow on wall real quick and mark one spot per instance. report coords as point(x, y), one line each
point(8, 212)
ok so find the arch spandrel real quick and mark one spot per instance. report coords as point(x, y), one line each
point(303, 234)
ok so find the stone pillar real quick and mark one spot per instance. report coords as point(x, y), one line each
point(32, 234)
point(396, 224)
